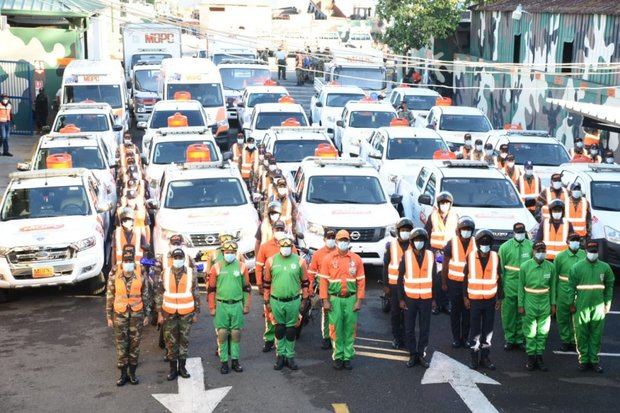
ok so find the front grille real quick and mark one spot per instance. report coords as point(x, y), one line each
point(25, 273)
point(205, 240)
point(368, 255)
point(613, 254)
point(33, 255)
point(363, 234)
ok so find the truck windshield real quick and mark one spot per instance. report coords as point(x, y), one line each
point(87, 122)
point(220, 57)
point(174, 152)
point(365, 78)
point(238, 78)
point(151, 59)
point(45, 202)
point(256, 98)
point(146, 80)
point(541, 154)
point(367, 119)
point(159, 118)
point(338, 100)
point(605, 195)
point(482, 192)
point(294, 151)
point(205, 193)
point(110, 94)
point(266, 120)
point(412, 148)
point(417, 102)
point(465, 123)
point(345, 190)
point(208, 94)
point(88, 157)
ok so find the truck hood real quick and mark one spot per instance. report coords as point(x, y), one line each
point(400, 166)
point(345, 215)
point(501, 219)
point(601, 219)
point(202, 220)
point(357, 134)
point(47, 231)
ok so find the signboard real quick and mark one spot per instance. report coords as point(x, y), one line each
point(158, 38)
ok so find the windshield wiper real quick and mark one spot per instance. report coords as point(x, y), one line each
point(347, 201)
point(320, 201)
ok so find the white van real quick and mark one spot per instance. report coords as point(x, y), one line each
point(101, 81)
point(196, 79)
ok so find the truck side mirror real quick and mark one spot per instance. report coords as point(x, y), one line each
point(117, 128)
point(318, 104)
point(129, 84)
point(141, 125)
point(339, 123)
point(46, 129)
point(425, 199)
point(396, 199)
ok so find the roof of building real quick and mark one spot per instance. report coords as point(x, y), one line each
point(64, 8)
point(554, 6)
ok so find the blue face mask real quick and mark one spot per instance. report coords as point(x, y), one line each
point(343, 245)
point(129, 266)
point(178, 263)
point(330, 243)
point(229, 257)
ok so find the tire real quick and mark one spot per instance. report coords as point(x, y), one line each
point(6, 295)
point(95, 285)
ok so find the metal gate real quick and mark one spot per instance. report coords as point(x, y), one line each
point(16, 81)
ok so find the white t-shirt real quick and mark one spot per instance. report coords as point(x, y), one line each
point(280, 55)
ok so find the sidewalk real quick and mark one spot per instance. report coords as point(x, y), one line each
point(21, 147)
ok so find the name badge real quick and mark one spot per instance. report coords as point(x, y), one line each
point(546, 276)
point(236, 273)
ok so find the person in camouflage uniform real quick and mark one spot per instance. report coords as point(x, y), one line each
point(127, 310)
point(178, 305)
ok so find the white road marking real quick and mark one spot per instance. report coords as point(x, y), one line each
point(463, 380)
point(614, 312)
point(573, 353)
point(192, 396)
point(373, 339)
point(389, 350)
point(381, 356)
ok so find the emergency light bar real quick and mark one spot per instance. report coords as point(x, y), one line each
point(49, 173)
point(358, 163)
point(303, 129)
point(185, 130)
point(79, 135)
point(85, 105)
point(540, 133)
point(466, 164)
point(202, 165)
point(604, 168)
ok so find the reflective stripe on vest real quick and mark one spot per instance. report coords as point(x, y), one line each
point(563, 278)
point(236, 152)
point(246, 164)
point(418, 280)
point(511, 268)
point(555, 240)
point(591, 287)
point(456, 265)
point(548, 194)
point(528, 189)
point(5, 113)
point(121, 242)
point(128, 297)
point(178, 298)
point(536, 290)
point(396, 255)
point(442, 232)
point(577, 216)
point(482, 284)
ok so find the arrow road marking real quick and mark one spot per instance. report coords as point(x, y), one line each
point(463, 380)
point(192, 396)
point(574, 353)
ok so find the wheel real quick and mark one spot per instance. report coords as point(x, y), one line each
point(95, 285)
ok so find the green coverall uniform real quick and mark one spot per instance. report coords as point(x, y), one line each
point(563, 262)
point(593, 285)
point(512, 254)
point(536, 296)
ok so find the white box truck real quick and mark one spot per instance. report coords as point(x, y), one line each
point(149, 42)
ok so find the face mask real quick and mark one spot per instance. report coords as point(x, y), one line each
point(404, 235)
point(556, 215)
point(272, 168)
point(286, 251)
point(274, 217)
point(485, 248)
point(556, 184)
point(418, 244)
point(343, 245)
point(468, 144)
point(579, 144)
point(576, 194)
point(261, 158)
point(5, 101)
point(239, 141)
point(128, 224)
point(510, 164)
point(489, 152)
point(529, 172)
point(266, 164)
point(592, 256)
point(251, 146)
point(178, 263)
point(479, 148)
point(573, 245)
point(445, 207)
point(282, 191)
point(278, 235)
point(609, 160)
point(228, 257)
point(129, 266)
point(503, 155)
point(519, 236)
point(594, 151)
point(330, 243)
point(466, 234)
point(540, 256)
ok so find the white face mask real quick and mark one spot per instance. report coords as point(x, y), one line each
point(239, 141)
point(556, 215)
point(510, 164)
point(594, 151)
point(404, 235)
point(479, 148)
point(251, 146)
point(489, 152)
point(129, 266)
point(272, 168)
point(576, 194)
point(330, 243)
point(282, 191)
point(418, 244)
point(529, 172)
point(343, 245)
point(278, 235)
point(540, 256)
point(445, 207)
point(274, 217)
point(485, 248)
point(519, 236)
point(556, 184)
point(466, 233)
point(573, 245)
point(128, 224)
point(579, 144)
point(592, 256)
point(178, 263)
point(503, 155)
point(468, 144)
point(5, 101)
point(286, 251)
point(609, 160)
point(229, 257)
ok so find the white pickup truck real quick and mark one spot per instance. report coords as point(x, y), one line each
point(326, 106)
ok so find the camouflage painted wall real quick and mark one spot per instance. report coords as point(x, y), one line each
point(494, 35)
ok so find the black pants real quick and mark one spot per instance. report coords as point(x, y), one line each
point(482, 319)
point(397, 317)
point(439, 295)
point(282, 69)
point(459, 317)
point(420, 309)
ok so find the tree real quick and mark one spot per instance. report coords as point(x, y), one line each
point(411, 24)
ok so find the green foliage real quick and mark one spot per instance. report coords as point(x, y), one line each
point(410, 24)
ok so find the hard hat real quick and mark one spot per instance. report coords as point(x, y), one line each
point(418, 233)
point(444, 196)
point(178, 253)
point(127, 213)
point(466, 222)
point(483, 235)
point(556, 204)
point(274, 206)
point(226, 236)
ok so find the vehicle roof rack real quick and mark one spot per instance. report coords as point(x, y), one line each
point(322, 162)
point(304, 129)
point(49, 173)
point(604, 168)
point(244, 61)
point(187, 166)
point(86, 105)
point(541, 133)
point(466, 164)
point(185, 130)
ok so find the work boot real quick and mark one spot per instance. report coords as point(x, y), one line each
point(413, 360)
point(326, 344)
point(456, 344)
point(584, 366)
point(486, 362)
point(132, 375)
point(541, 363)
point(7, 154)
point(531, 363)
point(597, 368)
point(268, 346)
point(173, 371)
point(280, 361)
point(435, 310)
point(521, 346)
point(423, 362)
point(473, 363)
point(236, 366)
point(347, 365)
point(123, 379)
point(182, 370)
point(290, 362)
point(565, 347)
point(224, 368)
point(338, 364)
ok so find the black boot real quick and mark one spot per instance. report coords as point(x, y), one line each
point(565, 347)
point(473, 363)
point(531, 363)
point(182, 370)
point(236, 366)
point(133, 379)
point(338, 364)
point(326, 344)
point(173, 371)
point(290, 362)
point(413, 360)
point(280, 361)
point(485, 361)
point(423, 362)
point(541, 363)
point(224, 369)
point(123, 379)
point(347, 365)
point(597, 368)
point(268, 346)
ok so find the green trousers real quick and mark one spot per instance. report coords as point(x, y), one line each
point(589, 322)
point(230, 319)
point(269, 334)
point(564, 317)
point(512, 321)
point(286, 315)
point(536, 323)
point(342, 327)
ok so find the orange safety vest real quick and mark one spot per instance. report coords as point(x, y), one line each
point(178, 298)
point(456, 265)
point(396, 256)
point(247, 161)
point(442, 232)
point(5, 112)
point(131, 297)
point(577, 216)
point(514, 176)
point(418, 280)
point(550, 196)
point(121, 241)
point(529, 189)
point(287, 211)
point(236, 152)
point(555, 240)
point(482, 284)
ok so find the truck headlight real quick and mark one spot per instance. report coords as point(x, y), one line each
point(612, 235)
point(315, 229)
point(84, 244)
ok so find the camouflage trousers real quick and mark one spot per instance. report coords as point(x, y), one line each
point(127, 334)
point(176, 335)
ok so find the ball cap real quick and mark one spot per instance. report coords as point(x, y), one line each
point(343, 234)
point(178, 253)
point(279, 225)
point(574, 237)
point(592, 246)
point(330, 233)
point(129, 253)
point(528, 165)
point(518, 227)
point(540, 246)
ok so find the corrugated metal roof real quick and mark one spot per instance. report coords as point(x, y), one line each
point(66, 8)
point(609, 7)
